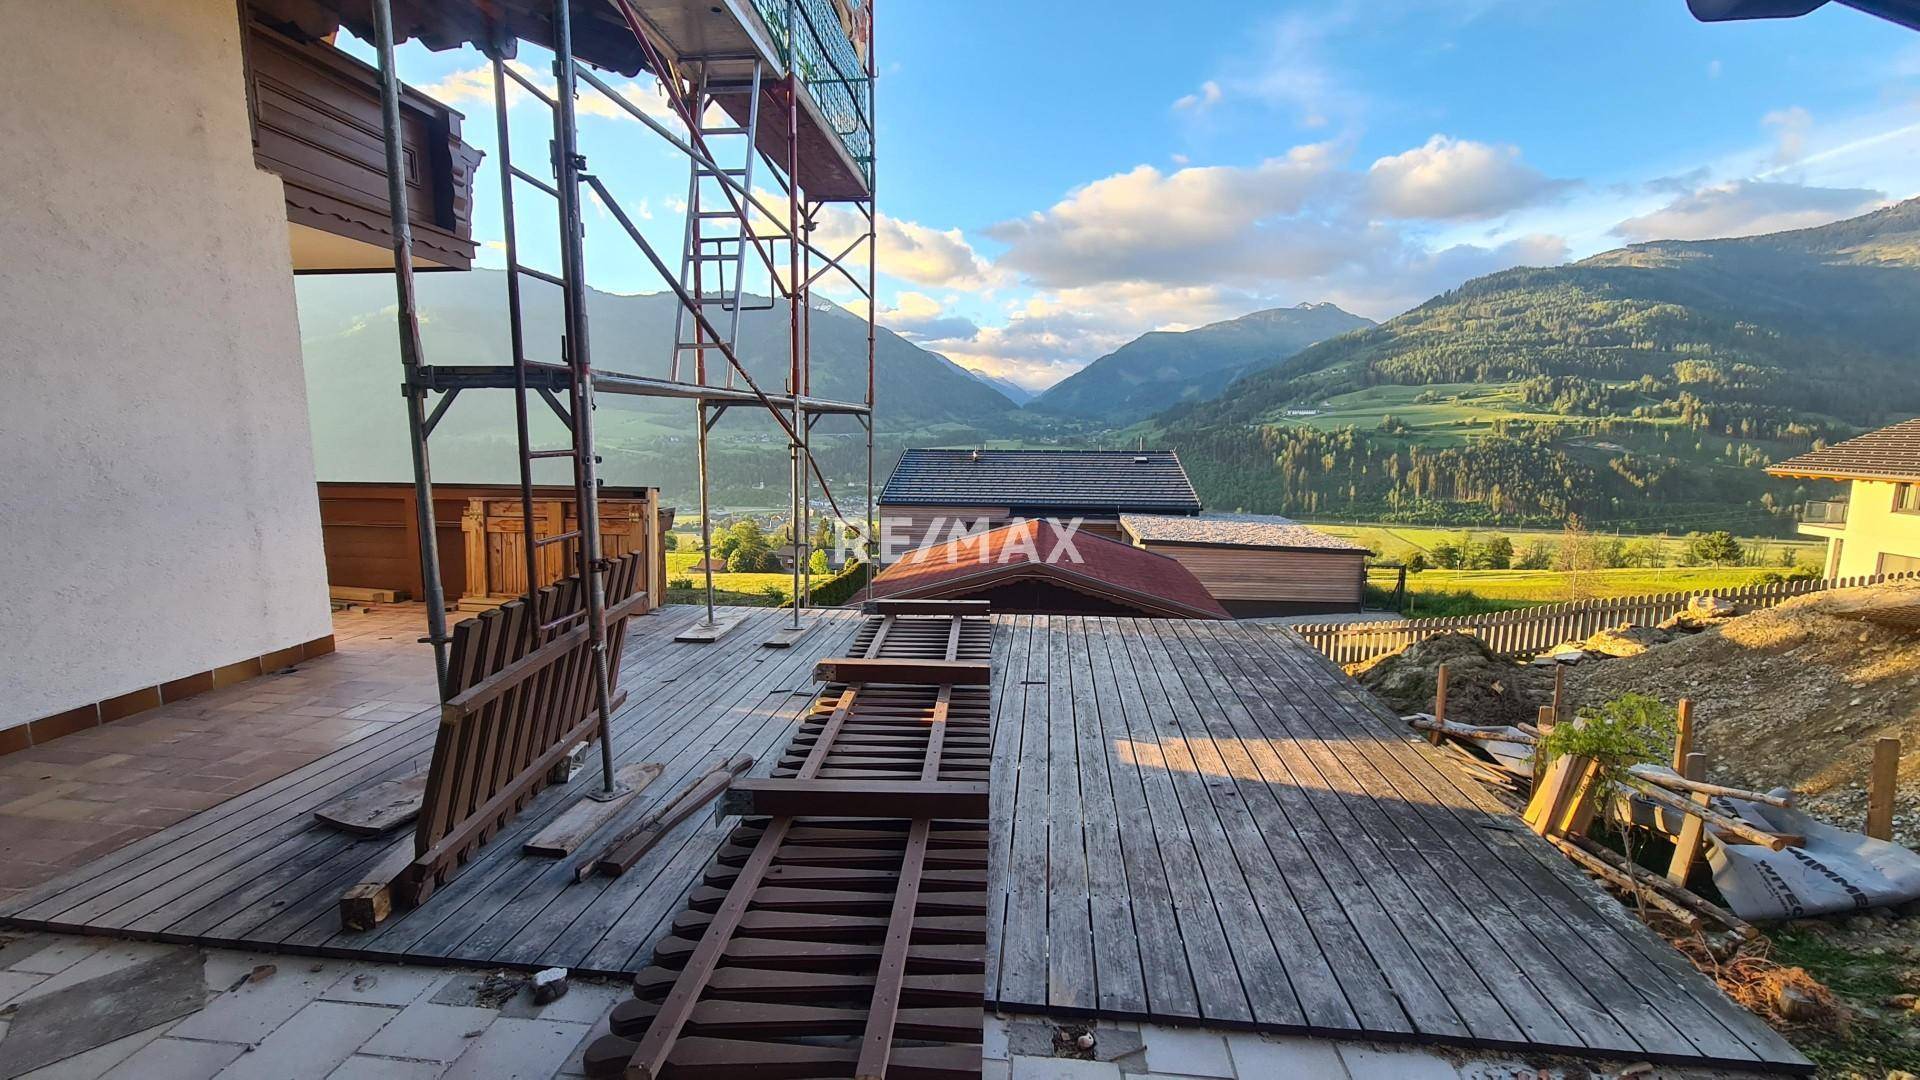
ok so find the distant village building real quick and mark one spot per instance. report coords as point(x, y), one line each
point(930, 490)
point(1258, 565)
point(1876, 528)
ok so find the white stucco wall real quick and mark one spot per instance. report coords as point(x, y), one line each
point(157, 508)
point(1874, 529)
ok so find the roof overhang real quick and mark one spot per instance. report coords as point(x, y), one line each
point(601, 36)
point(1904, 12)
point(1844, 475)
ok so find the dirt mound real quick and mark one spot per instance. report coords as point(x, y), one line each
point(1481, 687)
point(1792, 696)
point(1625, 640)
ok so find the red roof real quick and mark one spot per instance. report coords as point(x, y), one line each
point(1039, 550)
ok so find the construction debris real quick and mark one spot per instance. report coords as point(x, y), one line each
point(549, 985)
point(1482, 688)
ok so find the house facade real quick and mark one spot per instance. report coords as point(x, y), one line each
point(1875, 527)
point(158, 505)
point(1257, 565)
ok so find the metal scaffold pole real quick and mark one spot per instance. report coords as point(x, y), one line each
point(568, 167)
point(410, 349)
point(796, 294)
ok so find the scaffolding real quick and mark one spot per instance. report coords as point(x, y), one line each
point(779, 91)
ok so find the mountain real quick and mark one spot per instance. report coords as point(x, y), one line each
point(359, 428)
point(1015, 393)
point(1146, 374)
point(1616, 387)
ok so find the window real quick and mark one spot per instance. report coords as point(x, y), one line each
point(1906, 498)
point(1899, 564)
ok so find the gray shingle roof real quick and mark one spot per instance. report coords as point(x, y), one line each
point(1892, 453)
point(1237, 530)
point(1077, 480)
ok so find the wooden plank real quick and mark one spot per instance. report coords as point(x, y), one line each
point(1070, 968)
point(354, 595)
point(706, 633)
point(854, 669)
point(378, 809)
point(857, 798)
point(1883, 781)
point(1686, 844)
point(588, 814)
point(627, 849)
point(1121, 984)
point(787, 637)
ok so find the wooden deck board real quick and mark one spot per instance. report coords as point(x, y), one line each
point(1192, 822)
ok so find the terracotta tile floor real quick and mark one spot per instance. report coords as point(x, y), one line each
point(92, 792)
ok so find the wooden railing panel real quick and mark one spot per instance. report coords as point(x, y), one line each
point(520, 699)
point(1525, 632)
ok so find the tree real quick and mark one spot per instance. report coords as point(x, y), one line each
point(1495, 554)
point(817, 562)
point(1577, 558)
point(1718, 548)
point(1538, 556)
point(672, 542)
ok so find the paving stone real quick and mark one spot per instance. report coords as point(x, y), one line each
point(1030, 1037)
point(1048, 1068)
point(993, 1039)
point(15, 983)
point(486, 990)
point(179, 1059)
point(1186, 1051)
point(311, 1043)
point(251, 1012)
point(17, 947)
point(57, 955)
point(517, 1049)
point(361, 1067)
point(428, 1031)
point(225, 967)
point(1366, 1061)
point(101, 1060)
point(575, 1063)
point(383, 984)
point(996, 1070)
point(1285, 1055)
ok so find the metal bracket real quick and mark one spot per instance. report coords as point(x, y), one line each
point(620, 791)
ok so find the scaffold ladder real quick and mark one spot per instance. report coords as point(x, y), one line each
point(713, 258)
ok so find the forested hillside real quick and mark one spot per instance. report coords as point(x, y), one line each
point(1143, 376)
point(1646, 385)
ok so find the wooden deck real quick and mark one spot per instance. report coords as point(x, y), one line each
point(1198, 822)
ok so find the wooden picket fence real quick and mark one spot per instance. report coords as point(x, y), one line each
point(1526, 631)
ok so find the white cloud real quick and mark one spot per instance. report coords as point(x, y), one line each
point(919, 317)
point(1748, 208)
point(1192, 224)
point(1207, 96)
point(474, 87)
point(1456, 179)
point(921, 254)
point(1790, 129)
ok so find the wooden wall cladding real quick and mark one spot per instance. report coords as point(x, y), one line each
point(316, 124)
point(372, 542)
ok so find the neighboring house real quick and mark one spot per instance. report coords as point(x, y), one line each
point(1876, 528)
point(1257, 565)
point(1036, 567)
point(158, 507)
point(932, 490)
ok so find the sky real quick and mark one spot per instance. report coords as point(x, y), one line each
point(1056, 179)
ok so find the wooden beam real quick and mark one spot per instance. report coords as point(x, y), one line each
point(927, 607)
point(1686, 845)
point(1683, 735)
point(629, 846)
point(366, 905)
point(851, 669)
point(1691, 784)
point(1882, 782)
point(1559, 694)
point(858, 798)
point(1733, 827)
point(1439, 705)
